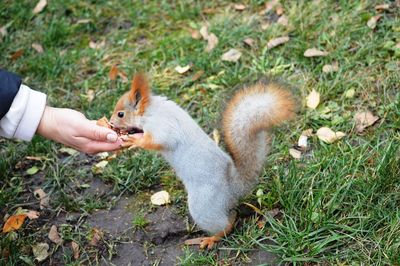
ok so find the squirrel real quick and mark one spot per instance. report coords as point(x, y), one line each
point(214, 180)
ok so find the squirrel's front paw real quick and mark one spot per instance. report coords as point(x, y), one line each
point(129, 142)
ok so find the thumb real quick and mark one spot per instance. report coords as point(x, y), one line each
point(95, 132)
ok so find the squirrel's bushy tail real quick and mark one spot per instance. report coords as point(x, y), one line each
point(246, 120)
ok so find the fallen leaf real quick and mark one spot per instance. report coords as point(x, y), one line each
point(182, 70)
point(328, 135)
point(54, 236)
point(40, 6)
point(96, 236)
point(239, 7)
point(270, 5)
point(90, 95)
point(307, 132)
point(261, 224)
point(113, 72)
point(302, 142)
point(397, 45)
point(3, 31)
point(279, 10)
point(313, 99)
point(43, 197)
point(14, 222)
point(99, 167)
point(212, 42)
point(83, 21)
point(382, 7)
point(75, 249)
point(40, 251)
point(274, 212)
point(17, 54)
point(33, 170)
point(32, 214)
point(204, 32)
point(38, 48)
point(364, 120)
point(349, 93)
point(249, 41)
point(314, 52)
point(160, 198)
point(283, 20)
point(69, 151)
point(216, 136)
point(197, 75)
point(295, 153)
point(97, 45)
point(334, 67)
point(277, 41)
point(373, 21)
point(123, 76)
point(195, 34)
point(208, 10)
point(232, 55)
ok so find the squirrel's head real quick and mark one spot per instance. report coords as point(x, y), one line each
point(129, 110)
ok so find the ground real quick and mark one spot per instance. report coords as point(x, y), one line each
point(338, 204)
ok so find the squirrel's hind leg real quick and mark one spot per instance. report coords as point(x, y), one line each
point(209, 241)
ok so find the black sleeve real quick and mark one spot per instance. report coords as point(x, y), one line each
point(9, 86)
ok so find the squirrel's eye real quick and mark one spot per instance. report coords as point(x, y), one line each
point(120, 114)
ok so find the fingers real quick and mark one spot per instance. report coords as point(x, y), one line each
point(95, 132)
point(99, 146)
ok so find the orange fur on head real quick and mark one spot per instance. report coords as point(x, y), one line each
point(140, 88)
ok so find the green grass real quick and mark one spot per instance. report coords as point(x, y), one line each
point(339, 204)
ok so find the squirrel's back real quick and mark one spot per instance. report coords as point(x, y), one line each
point(249, 115)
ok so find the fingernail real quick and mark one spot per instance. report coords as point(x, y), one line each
point(112, 137)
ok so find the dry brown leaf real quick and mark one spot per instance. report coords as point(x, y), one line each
point(364, 120)
point(90, 95)
point(54, 236)
point(197, 75)
point(249, 41)
point(371, 23)
point(212, 42)
point(283, 20)
point(195, 34)
point(277, 41)
point(35, 158)
point(38, 47)
point(40, 6)
point(328, 135)
point(279, 10)
point(295, 153)
point(32, 214)
point(182, 70)
point(96, 236)
point(97, 45)
point(113, 72)
point(232, 55)
point(307, 132)
point(17, 54)
point(160, 198)
point(14, 222)
point(382, 7)
point(75, 249)
point(274, 212)
point(43, 197)
point(334, 67)
point(123, 76)
point(40, 251)
point(314, 52)
point(239, 7)
point(313, 99)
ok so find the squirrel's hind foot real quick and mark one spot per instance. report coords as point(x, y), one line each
point(204, 242)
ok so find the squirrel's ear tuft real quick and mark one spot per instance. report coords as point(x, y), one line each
point(139, 95)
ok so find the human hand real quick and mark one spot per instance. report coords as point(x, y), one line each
point(71, 128)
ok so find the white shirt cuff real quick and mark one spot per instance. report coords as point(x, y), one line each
point(22, 120)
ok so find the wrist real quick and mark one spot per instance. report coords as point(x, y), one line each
point(47, 123)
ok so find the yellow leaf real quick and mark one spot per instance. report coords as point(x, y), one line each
point(313, 99)
point(295, 153)
point(328, 135)
point(14, 222)
point(182, 70)
point(40, 251)
point(364, 120)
